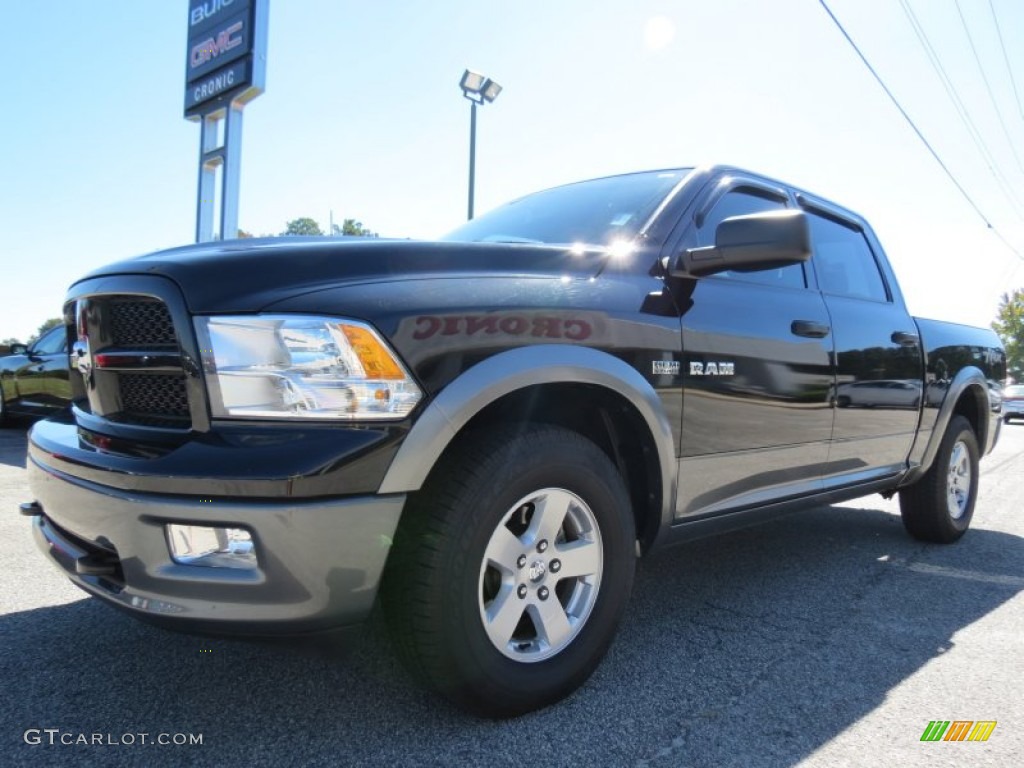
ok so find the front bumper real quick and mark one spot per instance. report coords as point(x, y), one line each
point(319, 561)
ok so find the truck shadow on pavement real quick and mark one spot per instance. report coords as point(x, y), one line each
point(756, 647)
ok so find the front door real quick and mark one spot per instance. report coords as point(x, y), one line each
point(757, 377)
point(44, 373)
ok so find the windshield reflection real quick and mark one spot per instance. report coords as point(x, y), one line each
point(596, 212)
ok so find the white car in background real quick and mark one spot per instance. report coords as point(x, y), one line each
point(1013, 402)
point(879, 393)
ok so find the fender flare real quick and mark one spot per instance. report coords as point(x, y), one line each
point(506, 372)
point(966, 379)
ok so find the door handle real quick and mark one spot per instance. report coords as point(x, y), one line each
point(810, 329)
point(905, 338)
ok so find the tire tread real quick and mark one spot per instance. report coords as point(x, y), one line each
point(923, 504)
point(437, 513)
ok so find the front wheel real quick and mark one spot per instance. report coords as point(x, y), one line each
point(940, 505)
point(511, 569)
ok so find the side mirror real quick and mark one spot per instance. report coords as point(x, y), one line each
point(19, 349)
point(750, 243)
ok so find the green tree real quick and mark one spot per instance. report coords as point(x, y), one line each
point(242, 233)
point(1009, 324)
point(303, 226)
point(353, 227)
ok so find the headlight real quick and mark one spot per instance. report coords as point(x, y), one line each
point(292, 366)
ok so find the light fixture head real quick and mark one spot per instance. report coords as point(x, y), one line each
point(491, 90)
point(478, 88)
point(472, 82)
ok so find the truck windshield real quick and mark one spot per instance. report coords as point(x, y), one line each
point(593, 212)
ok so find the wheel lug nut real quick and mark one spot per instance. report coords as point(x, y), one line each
point(556, 566)
point(542, 593)
point(521, 591)
point(521, 562)
point(542, 545)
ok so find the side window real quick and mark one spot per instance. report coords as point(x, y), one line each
point(51, 343)
point(741, 203)
point(844, 261)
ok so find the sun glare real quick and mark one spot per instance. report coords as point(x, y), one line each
point(659, 33)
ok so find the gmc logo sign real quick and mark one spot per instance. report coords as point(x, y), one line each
point(212, 47)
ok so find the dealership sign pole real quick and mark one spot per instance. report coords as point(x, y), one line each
point(225, 70)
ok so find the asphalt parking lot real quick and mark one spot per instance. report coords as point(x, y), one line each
point(828, 638)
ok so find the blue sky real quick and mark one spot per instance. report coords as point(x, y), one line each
point(363, 116)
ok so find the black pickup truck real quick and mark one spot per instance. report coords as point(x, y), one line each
point(486, 431)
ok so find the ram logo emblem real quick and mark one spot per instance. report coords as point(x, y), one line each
point(713, 369)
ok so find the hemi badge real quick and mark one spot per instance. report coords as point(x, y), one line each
point(665, 367)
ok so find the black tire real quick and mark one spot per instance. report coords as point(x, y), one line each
point(4, 417)
point(939, 507)
point(1006, 419)
point(441, 583)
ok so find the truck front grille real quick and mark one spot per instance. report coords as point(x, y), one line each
point(139, 375)
point(154, 394)
point(140, 322)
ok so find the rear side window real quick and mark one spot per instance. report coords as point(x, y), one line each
point(844, 261)
point(742, 203)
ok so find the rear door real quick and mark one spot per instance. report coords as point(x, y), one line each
point(879, 367)
point(757, 372)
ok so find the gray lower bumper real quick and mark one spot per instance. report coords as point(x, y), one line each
point(320, 562)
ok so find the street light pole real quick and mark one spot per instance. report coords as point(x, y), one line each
point(479, 90)
point(472, 157)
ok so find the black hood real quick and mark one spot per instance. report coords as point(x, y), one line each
point(247, 274)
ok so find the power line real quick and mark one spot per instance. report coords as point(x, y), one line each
point(988, 87)
point(961, 108)
point(1006, 58)
point(916, 130)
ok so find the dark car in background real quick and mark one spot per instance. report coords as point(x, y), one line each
point(34, 378)
point(1013, 403)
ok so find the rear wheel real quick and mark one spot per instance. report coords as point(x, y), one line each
point(511, 569)
point(940, 505)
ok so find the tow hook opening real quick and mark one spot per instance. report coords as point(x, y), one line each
point(30, 508)
point(91, 565)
